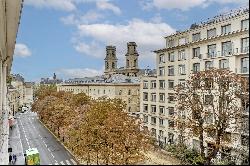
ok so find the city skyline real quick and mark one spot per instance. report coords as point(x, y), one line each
point(84, 28)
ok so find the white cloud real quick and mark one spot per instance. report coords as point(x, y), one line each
point(185, 4)
point(79, 73)
point(147, 35)
point(67, 5)
point(105, 5)
point(22, 50)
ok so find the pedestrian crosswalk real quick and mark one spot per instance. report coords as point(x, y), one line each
point(66, 162)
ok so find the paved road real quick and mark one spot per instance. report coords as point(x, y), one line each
point(34, 135)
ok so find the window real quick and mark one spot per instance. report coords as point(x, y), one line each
point(145, 84)
point(161, 133)
point(113, 65)
point(170, 70)
point(181, 55)
point(162, 84)
point(153, 108)
point(153, 84)
point(211, 33)
point(211, 50)
point(162, 97)
point(161, 122)
point(170, 84)
point(225, 29)
point(208, 100)
point(224, 64)
point(153, 97)
point(170, 98)
point(209, 118)
point(153, 132)
point(245, 45)
point(170, 138)
point(196, 36)
point(153, 120)
point(182, 70)
point(145, 96)
point(145, 118)
point(170, 43)
point(170, 123)
point(145, 108)
point(226, 48)
point(182, 41)
point(129, 100)
point(196, 52)
point(245, 24)
point(162, 58)
point(182, 82)
point(208, 65)
point(171, 111)
point(245, 65)
point(171, 57)
point(161, 71)
point(196, 67)
point(162, 109)
point(129, 92)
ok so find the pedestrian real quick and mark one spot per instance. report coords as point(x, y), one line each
point(14, 158)
point(10, 158)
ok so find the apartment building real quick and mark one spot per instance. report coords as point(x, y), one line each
point(118, 86)
point(221, 42)
point(10, 12)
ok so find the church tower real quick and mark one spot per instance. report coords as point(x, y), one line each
point(132, 55)
point(110, 60)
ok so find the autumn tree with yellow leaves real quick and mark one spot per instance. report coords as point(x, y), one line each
point(210, 106)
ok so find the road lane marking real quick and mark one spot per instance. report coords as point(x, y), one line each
point(73, 161)
point(62, 163)
point(68, 163)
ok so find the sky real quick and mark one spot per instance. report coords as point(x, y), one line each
point(69, 37)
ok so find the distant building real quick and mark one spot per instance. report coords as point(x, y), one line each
point(48, 81)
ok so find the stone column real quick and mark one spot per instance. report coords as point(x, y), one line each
point(1, 88)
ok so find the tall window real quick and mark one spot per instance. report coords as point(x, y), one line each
point(245, 24)
point(153, 108)
point(171, 57)
point(224, 64)
point(170, 97)
point(245, 45)
point(182, 41)
point(211, 33)
point(145, 84)
point(161, 71)
point(162, 58)
point(225, 29)
point(145, 96)
point(196, 52)
point(170, 70)
point(153, 132)
point(153, 84)
point(153, 97)
point(145, 118)
point(170, 84)
point(171, 111)
point(161, 122)
point(182, 70)
point(181, 55)
point(162, 109)
point(196, 36)
point(162, 97)
point(208, 65)
point(211, 50)
point(226, 48)
point(196, 67)
point(153, 120)
point(245, 65)
point(182, 82)
point(161, 133)
point(170, 43)
point(161, 84)
point(145, 108)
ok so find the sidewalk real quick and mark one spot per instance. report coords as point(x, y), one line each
point(16, 144)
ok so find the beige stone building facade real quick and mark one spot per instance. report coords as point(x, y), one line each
point(222, 42)
point(127, 92)
point(10, 12)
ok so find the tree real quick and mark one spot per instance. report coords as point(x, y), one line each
point(211, 103)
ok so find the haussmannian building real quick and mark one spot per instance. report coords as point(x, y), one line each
point(10, 12)
point(221, 42)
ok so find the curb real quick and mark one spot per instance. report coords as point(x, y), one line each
point(60, 141)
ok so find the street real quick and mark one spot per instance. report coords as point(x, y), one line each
point(34, 135)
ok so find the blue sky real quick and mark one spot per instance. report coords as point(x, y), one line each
point(69, 37)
